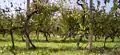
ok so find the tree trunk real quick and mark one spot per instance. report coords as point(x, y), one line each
point(45, 34)
point(37, 34)
point(27, 36)
point(28, 41)
point(90, 27)
point(3, 32)
point(26, 29)
point(26, 26)
point(22, 37)
point(106, 37)
point(12, 39)
point(79, 39)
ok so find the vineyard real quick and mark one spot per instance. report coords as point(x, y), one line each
point(55, 30)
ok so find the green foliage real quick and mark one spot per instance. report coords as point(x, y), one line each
point(106, 24)
point(115, 5)
point(106, 1)
point(70, 21)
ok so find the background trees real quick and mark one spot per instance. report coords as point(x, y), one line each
point(89, 23)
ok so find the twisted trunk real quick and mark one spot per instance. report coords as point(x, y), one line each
point(26, 27)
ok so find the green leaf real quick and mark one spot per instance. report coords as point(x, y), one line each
point(106, 1)
point(114, 8)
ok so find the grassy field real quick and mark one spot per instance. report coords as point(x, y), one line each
point(57, 47)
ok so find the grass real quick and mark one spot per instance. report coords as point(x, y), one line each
point(57, 47)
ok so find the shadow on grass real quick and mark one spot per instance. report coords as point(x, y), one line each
point(97, 50)
point(57, 41)
point(66, 41)
point(4, 40)
point(54, 41)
